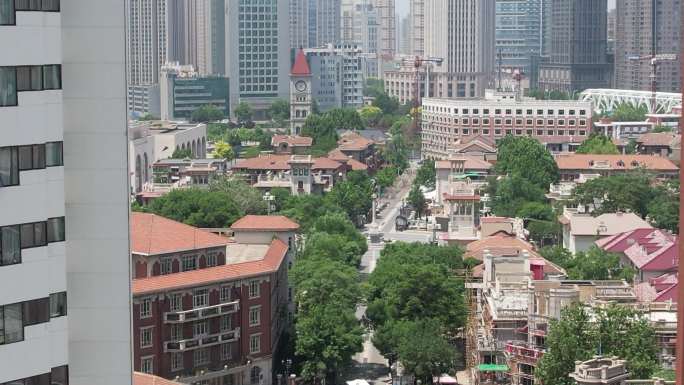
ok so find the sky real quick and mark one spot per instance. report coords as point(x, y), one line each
point(402, 6)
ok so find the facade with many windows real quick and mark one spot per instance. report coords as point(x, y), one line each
point(560, 125)
point(63, 194)
point(206, 309)
point(338, 75)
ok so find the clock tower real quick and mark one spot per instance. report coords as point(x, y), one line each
point(300, 92)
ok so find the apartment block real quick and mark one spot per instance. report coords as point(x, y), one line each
point(338, 75)
point(63, 194)
point(560, 125)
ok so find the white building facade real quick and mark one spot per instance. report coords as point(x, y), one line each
point(338, 75)
point(63, 194)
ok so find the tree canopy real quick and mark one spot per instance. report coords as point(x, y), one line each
point(626, 112)
point(370, 115)
point(279, 110)
point(426, 174)
point(526, 157)
point(597, 144)
point(354, 195)
point(223, 150)
point(323, 131)
point(243, 112)
point(206, 113)
point(416, 198)
point(181, 153)
point(197, 207)
point(578, 335)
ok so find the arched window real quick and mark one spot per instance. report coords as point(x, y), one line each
point(194, 149)
point(255, 375)
point(203, 151)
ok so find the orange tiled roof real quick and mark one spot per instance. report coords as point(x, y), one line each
point(657, 139)
point(325, 164)
point(356, 165)
point(153, 234)
point(265, 162)
point(269, 264)
point(338, 155)
point(352, 141)
point(149, 379)
point(613, 162)
point(292, 140)
point(265, 223)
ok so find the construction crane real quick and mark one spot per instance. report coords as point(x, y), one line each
point(419, 61)
point(655, 60)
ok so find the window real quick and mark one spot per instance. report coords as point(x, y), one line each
point(9, 166)
point(200, 356)
point(33, 235)
point(176, 332)
point(255, 375)
point(8, 83)
point(29, 78)
point(255, 343)
point(58, 304)
point(254, 289)
point(189, 262)
point(176, 361)
point(52, 77)
point(200, 329)
point(211, 260)
point(31, 157)
point(200, 298)
point(226, 323)
point(176, 302)
point(11, 324)
point(59, 375)
point(54, 154)
point(146, 308)
point(36, 311)
point(146, 365)
point(146, 337)
point(254, 316)
point(226, 352)
point(7, 13)
point(225, 294)
point(37, 5)
point(165, 266)
point(10, 245)
point(55, 229)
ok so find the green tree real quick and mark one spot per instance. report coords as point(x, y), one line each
point(626, 112)
point(247, 198)
point(661, 128)
point(632, 191)
point(386, 176)
point(243, 112)
point(354, 195)
point(425, 353)
point(387, 104)
point(305, 209)
point(279, 111)
point(206, 113)
point(526, 157)
point(370, 115)
point(426, 174)
point(147, 117)
point(182, 153)
point(556, 254)
point(374, 87)
point(336, 223)
point(345, 119)
point(396, 149)
point(223, 150)
point(597, 144)
point(631, 147)
point(323, 131)
point(320, 280)
point(217, 131)
point(597, 264)
point(417, 200)
point(197, 207)
point(510, 194)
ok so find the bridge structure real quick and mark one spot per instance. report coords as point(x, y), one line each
point(606, 100)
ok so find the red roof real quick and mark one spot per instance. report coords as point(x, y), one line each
point(149, 379)
point(495, 220)
point(301, 66)
point(153, 234)
point(325, 164)
point(352, 141)
point(356, 165)
point(265, 162)
point(269, 264)
point(265, 223)
point(292, 140)
point(613, 162)
point(647, 249)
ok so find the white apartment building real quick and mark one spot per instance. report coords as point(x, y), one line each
point(146, 45)
point(560, 125)
point(338, 75)
point(65, 299)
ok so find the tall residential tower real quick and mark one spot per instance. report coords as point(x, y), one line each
point(65, 298)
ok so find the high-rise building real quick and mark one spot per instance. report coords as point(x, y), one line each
point(387, 33)
point(518, 33)
point(360, 25)
point(193, 29)
point(146, 25)
point(578, 56)
point(65, 298)
point(338, 76)
point(461, 33)
point(257, 53)
point(403, 35)
point(324, 27)
point(299, 24)
point(417, 34)
point(638, 21)
point(217, 28)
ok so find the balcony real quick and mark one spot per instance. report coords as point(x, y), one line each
point(201, 313)
point(202, 341)
point(523, 352)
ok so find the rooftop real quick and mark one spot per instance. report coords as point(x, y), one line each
point(301, 65)
point(265, 223)
point(658, 139)
point(149, 379)
point(352, 141)
point(613, 162)
point(648, 249)
point(269, 263)
point(275, 162)
point(292, 140)
point(602, 225)
point(152, 234)
point(469, 163)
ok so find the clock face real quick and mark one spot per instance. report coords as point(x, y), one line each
point(300, 85)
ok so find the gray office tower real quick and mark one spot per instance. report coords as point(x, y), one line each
point(324, 22)
point(637, 22)
point(518, 33)
point(578, 56)
point(257, 52)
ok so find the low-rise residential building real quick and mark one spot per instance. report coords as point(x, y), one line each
point(187, 172)
point(651, 252)
point(560, 125)
point(291, 144)
point(476, 146)
point(665, 144)
point(208, 309)
point(458, 168)
point(182, 91)
point(151, 141)
point(622, 130)
point(572, 166)
point(581, 230)
point(358, 147)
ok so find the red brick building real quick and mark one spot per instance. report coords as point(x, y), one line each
point(206, 309)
